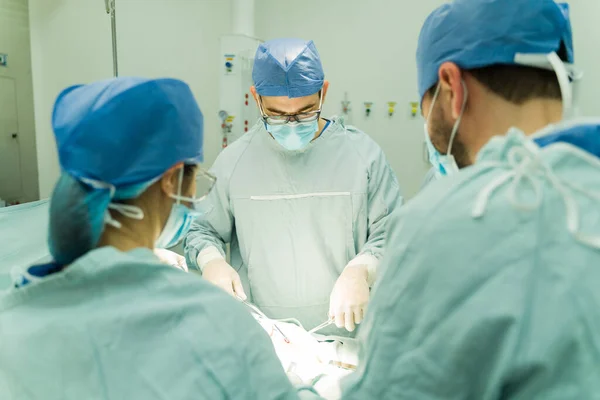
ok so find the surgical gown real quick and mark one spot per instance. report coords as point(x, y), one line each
point(295, 219)
point(429, 177)
point(24, 237)
point(119, 325)
point(502, 306)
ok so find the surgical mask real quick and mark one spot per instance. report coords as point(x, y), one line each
point(177, 226)
point(293, 136)
point(444, 164)
point(440, 162)
point(179, 221)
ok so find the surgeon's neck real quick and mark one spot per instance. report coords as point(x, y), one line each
point(499, 116)
point(131, 235)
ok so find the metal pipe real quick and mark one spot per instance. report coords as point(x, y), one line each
point(243, 17)
point(111, 9)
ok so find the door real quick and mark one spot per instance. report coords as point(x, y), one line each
point(10, 163)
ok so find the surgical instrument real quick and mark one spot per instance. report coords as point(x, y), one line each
point(262, 315)
point(323, 325)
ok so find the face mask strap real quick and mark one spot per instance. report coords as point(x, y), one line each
point(179, 185)
point(563, 81)
point(435, 96)
point(433, 100)
point(320, 100)
point(124, 209)
point(457, 123)
point(260, 107)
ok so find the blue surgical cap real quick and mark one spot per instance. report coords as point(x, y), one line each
point(480, 33)
point(114, 138)
point(127, 131)
point(287, 67)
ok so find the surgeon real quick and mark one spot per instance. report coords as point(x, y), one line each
point(106, 319)
point(303, 200)
point(490, 282)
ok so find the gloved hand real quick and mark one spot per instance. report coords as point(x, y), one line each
point(171, 258)
point(294, 378)
point(349, 297)
point(220, 273)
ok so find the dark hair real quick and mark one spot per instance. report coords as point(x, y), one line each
point(519, 84)
point(189, 172)
point(516, 84)
point(189, 169)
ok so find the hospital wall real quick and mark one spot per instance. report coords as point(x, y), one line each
point(71, 44)
point(18, 166)
point(368, 50)
point(586, 32)
point(179, 39)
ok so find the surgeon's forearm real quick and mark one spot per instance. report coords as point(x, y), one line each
point(372, 251)
point(208, 255)
point(384, 198)
point(202, 240)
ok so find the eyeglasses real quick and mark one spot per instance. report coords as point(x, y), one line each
point(205, 181)
point(305, 117)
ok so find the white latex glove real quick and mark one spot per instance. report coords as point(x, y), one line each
point(171, 258)
point(294, 378)
point(349, 297)
point(220, 273)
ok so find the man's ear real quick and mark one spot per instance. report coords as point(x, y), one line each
point(169, 182)
point(325, 89)
point(451, 82)
point(254, 94)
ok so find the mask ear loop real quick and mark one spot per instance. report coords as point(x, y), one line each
point(433, 100)
point(128, 211)
point(260, 106)
point(180, 185)
point(575, 76)
point(457, 123)
point(321, 101)
point(565, 85)
point(435, 96)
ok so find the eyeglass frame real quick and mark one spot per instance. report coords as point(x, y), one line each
point(202, 173)
point(289, 118)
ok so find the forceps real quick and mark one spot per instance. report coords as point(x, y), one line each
point(323, 325)
point(262, 315)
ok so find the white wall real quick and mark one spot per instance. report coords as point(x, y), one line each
point(180, 39)
point(14, 41)
point(70, 44)
point(586, 33)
